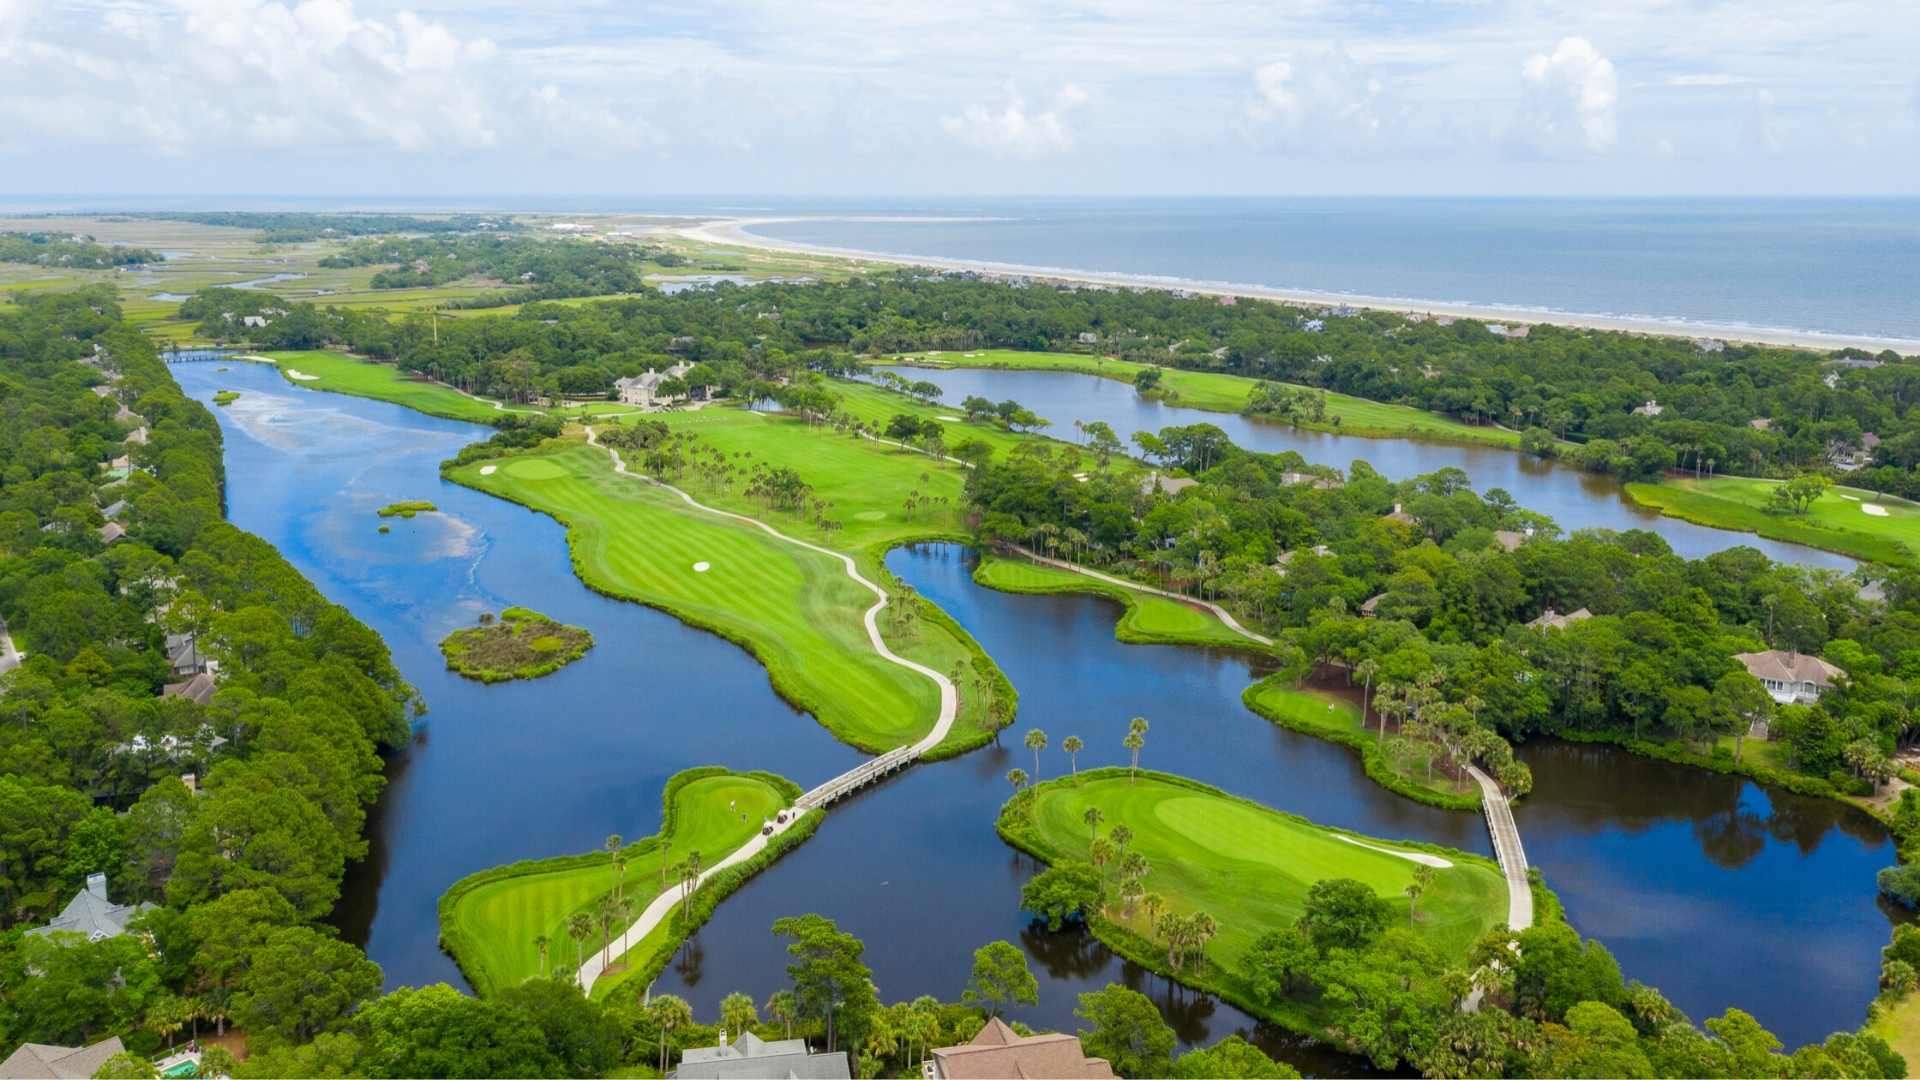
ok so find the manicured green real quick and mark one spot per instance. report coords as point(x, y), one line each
point(522, 645)
point(1149, 619)
point(345, 374)
point(1835, 521)
point(1248, 866)
point(489, 920)
point(407, 509)
point(1338, 720)
point(1228, 393)
point(794, 609)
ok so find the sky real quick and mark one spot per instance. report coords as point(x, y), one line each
point(1007, 97)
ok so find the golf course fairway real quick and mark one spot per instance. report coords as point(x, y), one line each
point(794, 609)
point(1248, 866)
point(343, 374)
point(1839, 520)
point(1149, 619)
point(489, 921)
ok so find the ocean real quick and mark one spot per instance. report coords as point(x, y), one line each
point(1825, 266)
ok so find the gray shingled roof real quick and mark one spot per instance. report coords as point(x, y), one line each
point(39, 1061)
point(92, 914)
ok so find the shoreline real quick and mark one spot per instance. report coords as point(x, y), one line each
point(734, 231)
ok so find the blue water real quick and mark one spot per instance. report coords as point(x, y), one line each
point(1830, 266)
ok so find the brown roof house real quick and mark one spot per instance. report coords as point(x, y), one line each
point(1792, 678)
point(38, 1061)
point(998, 1054)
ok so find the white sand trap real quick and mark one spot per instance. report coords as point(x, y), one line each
point(1851, 498)
point(487, 470)
point(1876, 511)
point(1417, 856)
point(302, 376)
point(949, 419)
point(701, 568)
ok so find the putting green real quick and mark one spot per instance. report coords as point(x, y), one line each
point(1250, 867)
point(794, 609)
point(489, 921)
point(535, 469)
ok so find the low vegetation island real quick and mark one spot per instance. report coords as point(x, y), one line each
point(522, 644)
point(407, 509)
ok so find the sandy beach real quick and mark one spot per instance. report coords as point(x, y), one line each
point(734, 231)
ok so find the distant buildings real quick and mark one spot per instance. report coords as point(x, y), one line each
point(92, 914)
point(1792, 678)
point(1651, 408)
point(997, 1052)
point(753, 1058)
point(1552, 620)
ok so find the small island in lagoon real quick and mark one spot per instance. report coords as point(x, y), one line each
point(523, 644)
point(226, 397)
point(407, 509)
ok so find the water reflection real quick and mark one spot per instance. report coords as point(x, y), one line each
point(1575, 498)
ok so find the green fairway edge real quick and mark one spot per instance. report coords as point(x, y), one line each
point(454, 939)
point(982, 663)
point(1126, 629)
point(1227, 985)
point(1378, 769)
point(1714, 512)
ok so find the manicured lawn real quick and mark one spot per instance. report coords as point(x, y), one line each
point(1337, 719)
point(1835, 522)
point(1149, 619)
point(795, 610)
point(1228, 393)
point(492, 919)
point(344, 374)
point(1250, 867)
point(1899, 1024)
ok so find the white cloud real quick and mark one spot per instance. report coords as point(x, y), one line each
point(1704, 80)
point(1013, 133)
point(1569, 99)
point(1327, 100)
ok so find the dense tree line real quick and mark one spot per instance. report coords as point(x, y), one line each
point(69, 250)
point(535, 269)
point(95, 765)
point(293, 227)
point(1431, 608)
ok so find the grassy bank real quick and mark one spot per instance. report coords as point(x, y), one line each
point(1339, 720)
point(345, 374)
point(1215, 392)
point(1149, 619)
point(489, 920)
point(1247, 866)
point(1838, 521)
point(795, 610)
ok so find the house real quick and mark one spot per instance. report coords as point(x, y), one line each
point(1791, 677)
point(1651, 408)
point(102, 391)
point(1509, 539)
point(644, 390)
point(125, 415)
point(753, 1058)
point(198, 689)
point(92, 914)
point(1402, 516)
point(1372, 606)
point(39, 1061)
point(1322, 482)
point(1553, 620)
point(183, 653)
point(111, 531)
point(114, 511)
point(1286, 557)
point(137, 437)
point(1759, 423)
point(1708, 346)
point(253, 320)
point(1166, 485)
point(998, 1052)
point(1089, 338)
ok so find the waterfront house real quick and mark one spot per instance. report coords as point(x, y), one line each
point(1553, 620)
point(753, 1058)
point(1793, 678)
point(1323, 483)
point(998, 1052)
point(92, 914)
point(1402, 516)
point(1509, 539)
point(40, 1061)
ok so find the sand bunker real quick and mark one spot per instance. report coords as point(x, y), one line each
point(1876, 511)
point(302, 376)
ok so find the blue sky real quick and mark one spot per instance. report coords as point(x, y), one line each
point(995, 97)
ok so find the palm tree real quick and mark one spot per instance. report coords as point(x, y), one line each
point(783, 1006)
point(668, 1013)
point(1133, 742)
point(666, 847)
point(1036, 742)
point(541, 941)
point(1093, 817)
point(1120, 834)
point(737, 1013)
point(1138, 725)
point(1018, 778)
point(1153, 903)
point(579, 925)
point(1422, 877)
point(1366, 669)
point(1072, 744)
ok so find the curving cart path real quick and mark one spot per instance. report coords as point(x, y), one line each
point(820, 796)
point(1232, 624)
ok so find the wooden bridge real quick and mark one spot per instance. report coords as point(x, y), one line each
point(858, 777)
point(1506, 846)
